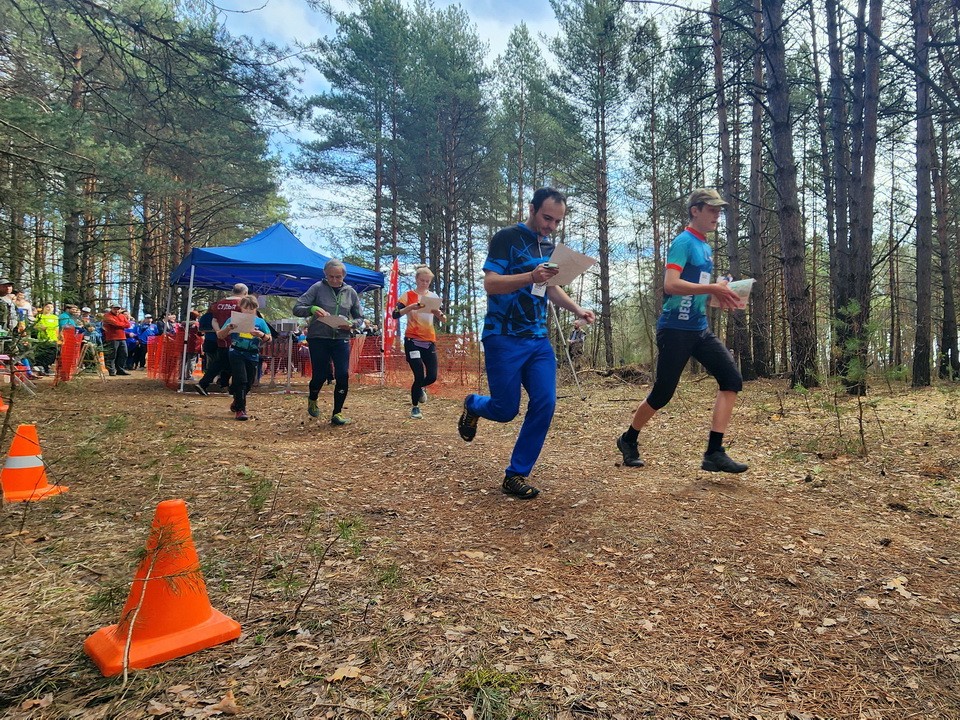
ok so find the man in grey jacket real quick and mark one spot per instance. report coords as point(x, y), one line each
point(333, 307)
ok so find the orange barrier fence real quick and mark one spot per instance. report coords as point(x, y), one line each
point(459, 366)
point(68, 359)
point(458, 361)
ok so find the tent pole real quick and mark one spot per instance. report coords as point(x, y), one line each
point(186, 328)
point(383, 350)
point(289, 361)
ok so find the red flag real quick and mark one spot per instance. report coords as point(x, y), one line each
point(389, 324)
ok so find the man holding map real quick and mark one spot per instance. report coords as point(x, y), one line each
point(517, 350)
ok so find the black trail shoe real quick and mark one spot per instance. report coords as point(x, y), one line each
point(630, 451)
point(516, 485)
point(719, 461)
point(467, 424)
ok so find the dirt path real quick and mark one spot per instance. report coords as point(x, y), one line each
point(820, 584)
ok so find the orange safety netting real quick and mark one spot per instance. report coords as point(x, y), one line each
point(458, 361)
point(68, 359)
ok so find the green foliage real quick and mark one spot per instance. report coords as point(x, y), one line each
point(260, 489)
point(389, 576)
point(349, 530)
point(491, 691)
point(106, 108)
point(117, 423)
point(109, 598)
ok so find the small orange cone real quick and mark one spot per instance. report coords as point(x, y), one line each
point(103, 362)
point(24, 477)
point(170, 610)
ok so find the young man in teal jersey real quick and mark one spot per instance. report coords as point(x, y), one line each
point(682, 333)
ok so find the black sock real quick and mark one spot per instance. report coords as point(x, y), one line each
point(715, 442)
point(631, 435)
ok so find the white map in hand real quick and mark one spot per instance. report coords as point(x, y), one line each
point(335, 321)
point(241, 322)
point(571, 265)
point(742, 288)
point(430, 303)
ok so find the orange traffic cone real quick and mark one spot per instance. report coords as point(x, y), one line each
point(3, 405)
point(169, 611)
point(103, 363)
point(24, 477)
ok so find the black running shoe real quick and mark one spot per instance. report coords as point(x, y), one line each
point(516, 485)
point(467, 424)
point(630, 451)
point(719, 461)
point(200, 390)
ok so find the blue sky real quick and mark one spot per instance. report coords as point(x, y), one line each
point(293, 22)
point(289, 21)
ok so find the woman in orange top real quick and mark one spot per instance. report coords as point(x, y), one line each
point(420, 338)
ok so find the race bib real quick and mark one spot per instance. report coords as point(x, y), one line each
point(704, 278)
point(414, 354)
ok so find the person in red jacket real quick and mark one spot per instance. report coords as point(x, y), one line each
point(115, 324)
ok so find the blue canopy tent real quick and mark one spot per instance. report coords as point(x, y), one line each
point(272, 262)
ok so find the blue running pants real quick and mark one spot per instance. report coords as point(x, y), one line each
point(512, 363)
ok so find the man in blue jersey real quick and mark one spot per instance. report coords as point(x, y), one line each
point(682, 333)
point(517, 349)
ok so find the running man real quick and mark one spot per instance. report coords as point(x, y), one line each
point(517, 349)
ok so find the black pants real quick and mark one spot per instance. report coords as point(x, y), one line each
point(218, 362)
point(138, 358)
point(243, 368)
point(423, 362)
point(676, 347)
point(118, 359)
point(323, 352)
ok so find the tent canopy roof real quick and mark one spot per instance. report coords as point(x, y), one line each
point(272, 262)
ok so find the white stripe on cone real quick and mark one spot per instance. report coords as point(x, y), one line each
point(20, 462)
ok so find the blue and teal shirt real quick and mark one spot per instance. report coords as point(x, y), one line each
point(246, 344)
point(513, 251)
point(691, 254)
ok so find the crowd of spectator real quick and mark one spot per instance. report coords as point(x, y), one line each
point(124, 341)
point(38, 331)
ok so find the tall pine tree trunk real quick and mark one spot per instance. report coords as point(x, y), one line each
point(803, 342)
point(731, 191)
point(72, 210)
point(759, 315)
point(948, 362)
point(921, 346)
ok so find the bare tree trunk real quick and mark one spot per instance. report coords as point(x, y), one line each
point(948, 362)
point(759, 315)
point(840, 136)
point(731, 191)
point(854, 314)
point(803, 342)
point(602, 181)
point(72, 288)
point(921, 346)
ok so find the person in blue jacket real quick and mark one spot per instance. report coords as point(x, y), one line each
point(145, 330)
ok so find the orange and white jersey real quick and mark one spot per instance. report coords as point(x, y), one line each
point(419, 322)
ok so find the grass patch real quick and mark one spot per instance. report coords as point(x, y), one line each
point(490, 691)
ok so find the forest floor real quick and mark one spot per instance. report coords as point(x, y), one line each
point(822, 583)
